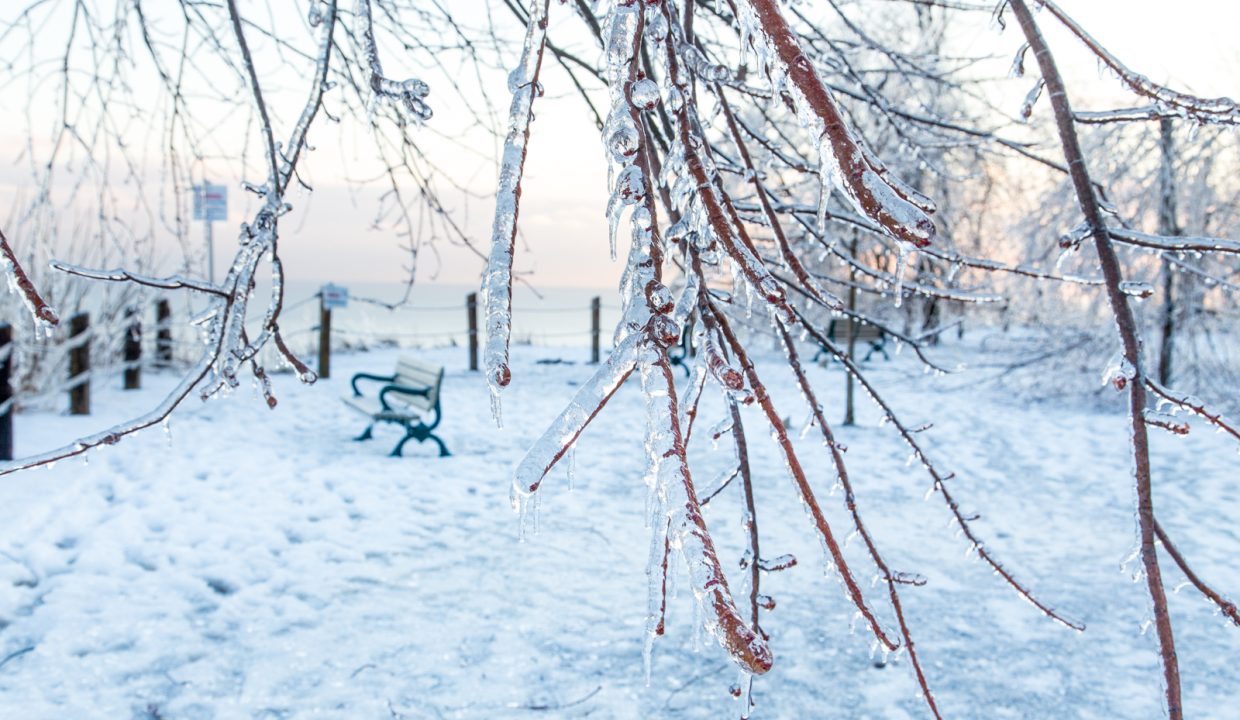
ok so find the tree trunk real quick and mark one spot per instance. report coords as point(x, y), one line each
point(1167, 225)
point(850, 417)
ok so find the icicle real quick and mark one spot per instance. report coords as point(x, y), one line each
point(497, 280)
point(901, 266)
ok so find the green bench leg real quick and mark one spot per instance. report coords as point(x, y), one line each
point(421, 434)
point(366, 434)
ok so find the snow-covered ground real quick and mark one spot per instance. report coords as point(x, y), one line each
point(260, 564)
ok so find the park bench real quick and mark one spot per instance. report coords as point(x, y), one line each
point(409, 396)
point(838, 331)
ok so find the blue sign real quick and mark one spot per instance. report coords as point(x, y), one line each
point(334, 296)
point(210, 202)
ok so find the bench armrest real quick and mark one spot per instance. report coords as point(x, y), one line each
point(401, 390)
point(368, 376)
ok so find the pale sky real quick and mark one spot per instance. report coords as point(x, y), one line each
point(1188, 43)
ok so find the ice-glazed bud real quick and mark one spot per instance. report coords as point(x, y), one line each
point(664, 331)
point(644, 94)
point(316, 15)
point(1137, 289)
point(675, 99)
point(641, 218)
point(658, 297)
point(1119, 372)
point(715, 73)
point(623, 139)
point(415, 87)
point(724, 374)
point(656, 25)
point(631, 185)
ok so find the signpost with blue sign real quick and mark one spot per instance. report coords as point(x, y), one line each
point(210, 204)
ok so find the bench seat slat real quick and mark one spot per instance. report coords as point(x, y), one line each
point(370, 406)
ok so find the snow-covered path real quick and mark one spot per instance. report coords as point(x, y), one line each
point(259, 564)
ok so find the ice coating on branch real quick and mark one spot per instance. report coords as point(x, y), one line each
point(409, 95)
point(644, 94)
point(901, 267)
point(845, 165)
point(674, 509)
point(723, 372)
point(621, 136)
point(497, 280)
point(1137, 288)
point(44, 316)
point(1119, 372)
point(1026, 108)
point(564, 430)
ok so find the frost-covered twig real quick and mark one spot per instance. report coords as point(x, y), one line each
point(940, 481)
point(1168, 102)
point(1225, 606)
point(1173, 244)
point(821, 525)
point(1195, 406)
point(21, 283)
point(172, 282)
point(749, 521)
point(850, 501)
point(113, 435)
point(410, 94)
point(785, 248)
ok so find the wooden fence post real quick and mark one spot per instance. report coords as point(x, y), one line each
point(133, 350)
point(163, 334)
point(79, 364)
point(325, 339)
point(596, 306)
point(471, 309)
point(6, 392)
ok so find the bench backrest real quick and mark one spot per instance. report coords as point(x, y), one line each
point(841, 329)
point(414, 373)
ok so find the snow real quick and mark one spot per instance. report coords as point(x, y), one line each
point(259, 564)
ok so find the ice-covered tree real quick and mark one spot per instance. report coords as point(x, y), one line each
point(765, 160)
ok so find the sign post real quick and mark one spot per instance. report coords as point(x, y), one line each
point(330, 296)
point(210, 204)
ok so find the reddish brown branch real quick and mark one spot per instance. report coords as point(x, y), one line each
point(1220, 110)
point(30, 294)
point(1127, 328)
point(716, 320)
point(940, 480)
point(850, 501)
point(1227, 607)
point(855, 166)
point(785, 248)
point(1195, 406)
